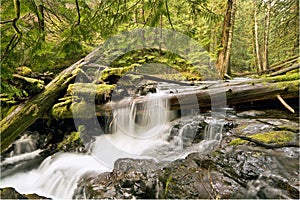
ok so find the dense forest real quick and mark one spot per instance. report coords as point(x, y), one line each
point(240, 36)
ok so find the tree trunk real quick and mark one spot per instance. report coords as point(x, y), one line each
point(257, 48)
point(266, 37)
point(222, 62)
point(230, 36)
point(26, 114)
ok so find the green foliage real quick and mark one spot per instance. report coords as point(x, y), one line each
point(283, 33)
point(54, 37)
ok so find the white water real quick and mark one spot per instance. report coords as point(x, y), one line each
point(138, 132)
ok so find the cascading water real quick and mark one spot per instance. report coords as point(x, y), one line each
point(139, 131)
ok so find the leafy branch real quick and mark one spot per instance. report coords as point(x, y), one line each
point(17, 36)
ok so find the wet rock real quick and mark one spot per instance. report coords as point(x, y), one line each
point(129, 179)
point(190, 131)
point(240, 172)
point(11, 193)
point(195, 177)
point(270, 186)
point(146, 87)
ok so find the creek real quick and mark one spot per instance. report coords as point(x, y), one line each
point(145, 132)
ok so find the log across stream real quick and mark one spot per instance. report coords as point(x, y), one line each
point(205, 95)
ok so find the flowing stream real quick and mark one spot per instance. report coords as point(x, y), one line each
point(137, 132)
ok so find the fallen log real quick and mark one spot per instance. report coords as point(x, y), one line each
point(233, 94)
point(27, 113)
point(273, 68)
point(215, 93)
point(282, 71)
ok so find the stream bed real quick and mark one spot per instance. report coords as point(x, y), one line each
point(162, 154)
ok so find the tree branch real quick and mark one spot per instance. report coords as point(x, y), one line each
point(168, 15)
point(7, 21)
point(17, 36)
point(78, 13)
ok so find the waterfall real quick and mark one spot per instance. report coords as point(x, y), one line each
point(26, 144)
point(138, 131)
point(213, 130)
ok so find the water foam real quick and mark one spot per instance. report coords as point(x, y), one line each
point(139, 131)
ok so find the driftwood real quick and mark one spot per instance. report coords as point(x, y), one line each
point(27, 113)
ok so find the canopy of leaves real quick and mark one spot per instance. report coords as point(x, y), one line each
point(54, 34)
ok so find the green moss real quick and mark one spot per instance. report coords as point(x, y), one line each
point(287, 127)
point(82, 109)
point(277, 137)
point(291, 86)
point(169, 180)
point(286, 77)
point(71, 139)
point(31, 85)
point(106, 74)
point(90, 91)
point(24, 71)
point(62, 110)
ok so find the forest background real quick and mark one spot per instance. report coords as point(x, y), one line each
point(239, 35)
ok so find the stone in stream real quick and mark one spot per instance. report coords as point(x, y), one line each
point(229, 171)
point(11, 193)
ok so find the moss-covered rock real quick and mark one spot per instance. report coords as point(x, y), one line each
point(277, 137)
point(61, 110)
point(11, 193)
point(72, 142)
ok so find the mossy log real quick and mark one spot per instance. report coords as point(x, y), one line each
point(27, 113)
point(30, 85)
point(234, 94)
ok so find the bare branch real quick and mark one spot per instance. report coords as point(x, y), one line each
point(78, 13)
point(168, 14)
point(5, 22)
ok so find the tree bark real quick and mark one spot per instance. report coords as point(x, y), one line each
point(230, 37)
point(26, 114)
point(224, 54)
point(257, 48)
point(266, 37)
